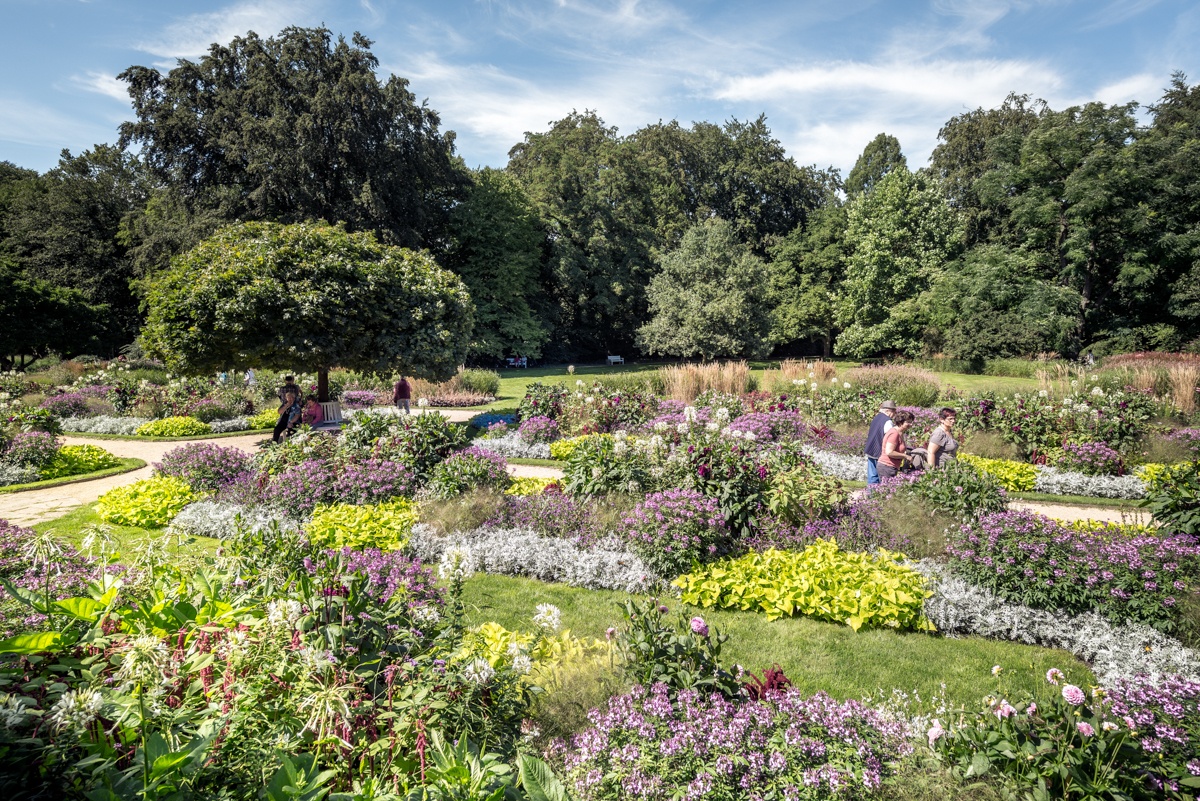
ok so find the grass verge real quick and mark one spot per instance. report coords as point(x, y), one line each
point(537, 462)
point(126, 466)
point(1075, 500)
point(814, 655)
point(137, 438)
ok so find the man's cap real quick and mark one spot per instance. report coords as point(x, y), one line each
point(888, 405)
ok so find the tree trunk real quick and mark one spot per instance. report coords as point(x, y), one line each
point(323, 384)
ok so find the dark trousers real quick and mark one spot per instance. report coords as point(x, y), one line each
point(279, 427)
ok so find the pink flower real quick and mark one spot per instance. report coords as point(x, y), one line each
point(1005, 710)
point(1073, 695)
point(1085, 729)
point(935, 732)
point(1054, 675)
point(699, 626)
point(1031, 709)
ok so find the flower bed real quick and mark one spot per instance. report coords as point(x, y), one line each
point(782, 745)
point(1033, 560)
point(150, 503)
point(104, 424)
point(512, 445)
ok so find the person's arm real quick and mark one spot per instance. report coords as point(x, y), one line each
point(934, 447)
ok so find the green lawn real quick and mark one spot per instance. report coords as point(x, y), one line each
point(125, 466)
point(814, 655)
point(72, 527)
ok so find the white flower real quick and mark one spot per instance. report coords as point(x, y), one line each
point(682, 428)
point(722, 415)
point(76, 710)
point(548, 617)
point(142, 663)
point(579, 382)
point(286, 611)
point(796, 382)
point(522, 664)
point(661, 426)
point(315, 660)
point(426, 615)
point(996, 669)
point(1043, 393)
point(814, 385)
point(833, 380)
point(1095, 378)
point(422, 402)
point(812, 375)
point(12, 712)
point(1108, 725)
point(846, 385)
point(689, 414)
point(479, 672)
point(1098, 392)
point(457, 564)
point(656, 441)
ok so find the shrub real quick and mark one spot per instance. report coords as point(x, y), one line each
point(1173, 498)
point(150, 503)
point(803, 494)
point(222, 519)
point(563, 448)
point(372, 481)
point(1035, 561)
point(470, 468)
point(538, 429)
point(386, 526)
point(419, 441)
point(358, 398)
point(533, 485)
point(77, 460)
point(675, 529)
point(30, 420)
point(783, 745)
point(208, 410)
point(204, 466)
point(267, 418)
point(480, 382)
point(820, 582)
point(907, 386)
point(1135, 740)
point(512, 445)
point(34, 449)
point(1091, 459)
point(1053, 481)
point(70, 404)
point(174, 427)
point(301, 487)
point(542, 399)
point(956, 489)
point(1012, 476)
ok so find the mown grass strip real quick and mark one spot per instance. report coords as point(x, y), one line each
point(126, 466)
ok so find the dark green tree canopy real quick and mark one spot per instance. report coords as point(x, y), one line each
point(496, 248)
point(807, 269)
point(710, 298)
point(307, 297)
point(38, 318)
point(881, 156)
point(296, 127)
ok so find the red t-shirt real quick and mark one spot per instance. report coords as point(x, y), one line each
point(893, 440)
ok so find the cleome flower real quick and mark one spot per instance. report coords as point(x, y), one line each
point(548, 617)
point(76, 710)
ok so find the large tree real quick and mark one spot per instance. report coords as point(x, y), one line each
point(63, 228)
point(307, 297)
point(496, 248)
point(296, 127)
point(38, 318)
point(806, 270)
point(881, 156)
point(591, 196)
point(901, 236)
point(709, 299)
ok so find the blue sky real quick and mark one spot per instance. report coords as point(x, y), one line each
point(829, 75)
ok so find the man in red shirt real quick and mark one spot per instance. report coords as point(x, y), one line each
point(402, 395)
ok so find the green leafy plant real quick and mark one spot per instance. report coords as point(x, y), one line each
point(803, 494)
point(386, 526)
point(957, 489)
point(267, 418)
point(1012, 476)
point(1173, 497)
point(563, 448)
point(151, 503)
point(821, 582)
point(76, 460)
point(681, 653)
point(174, 427)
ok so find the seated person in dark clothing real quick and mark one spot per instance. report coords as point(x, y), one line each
point(289, 416)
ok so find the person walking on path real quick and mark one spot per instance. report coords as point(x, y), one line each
point(880, 425)
point(892, 458)
point(942, 444)
point(289, 415)
point(402, 394)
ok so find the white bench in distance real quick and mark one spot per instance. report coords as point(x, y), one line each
point(331, 416)
point(615, 360)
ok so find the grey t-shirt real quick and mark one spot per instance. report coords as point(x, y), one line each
point(947, 444)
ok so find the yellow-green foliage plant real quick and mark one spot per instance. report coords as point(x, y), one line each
point(821, 582)
point(1104, 528)
point(1012, 476)
point(267, 418)
point(77, 460)
point(545, 650)
point(386, 526)
point(151, 503)
point(175, 427)
point(563, 448)
point(529, 485)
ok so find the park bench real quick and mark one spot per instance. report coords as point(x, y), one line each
point(615, 360)
point(331, 414)
point(518, 361)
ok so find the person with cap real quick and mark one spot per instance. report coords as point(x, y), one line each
point(880, 425)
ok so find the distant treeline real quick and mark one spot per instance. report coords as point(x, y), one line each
point(1031, 230)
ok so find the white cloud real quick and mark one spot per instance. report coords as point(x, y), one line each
point(102, 83)
point(191, 36)
point(26, 123)
point(1119, 11)
point(1144, 87)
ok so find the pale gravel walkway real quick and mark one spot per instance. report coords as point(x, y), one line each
point(1070, 513)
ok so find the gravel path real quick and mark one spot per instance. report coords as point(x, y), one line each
point(1070, 513)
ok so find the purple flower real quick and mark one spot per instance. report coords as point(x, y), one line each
point(1073, 695)
point(699, 626)
point(1085, 729)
